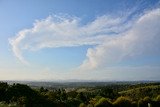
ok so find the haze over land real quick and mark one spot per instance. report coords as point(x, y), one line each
point(80, 40)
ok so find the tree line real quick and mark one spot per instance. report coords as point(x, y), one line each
point(20, 95)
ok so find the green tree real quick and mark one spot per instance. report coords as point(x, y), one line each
point(158, 98)
point(3, 90)
point(81, 97)
point(73, 102)
point(82, 105)
point(122, 102)
point(103, 102)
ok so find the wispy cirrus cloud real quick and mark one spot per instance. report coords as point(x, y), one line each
point(114, 38)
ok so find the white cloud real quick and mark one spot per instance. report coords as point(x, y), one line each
point(114, 39)
point(60, 31)
point(142, 39)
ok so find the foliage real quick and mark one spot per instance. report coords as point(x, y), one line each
point(158, 98)
point(81, 97)
point(2, 104)
point(121, 95)
point(82, 105)
point(122, 102)
point(103, 102)
point(141, 92)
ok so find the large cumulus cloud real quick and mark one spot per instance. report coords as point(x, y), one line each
point(142, 39)
point(114, 38)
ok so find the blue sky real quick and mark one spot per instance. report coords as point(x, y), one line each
point(80, 39)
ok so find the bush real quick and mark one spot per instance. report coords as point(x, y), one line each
point(122, 102)
point(73, 102)
point(90, 105)
point(134, 104)
point(94, 100)
point(158, 98)
point(2, 104)
point(103, 102)
point(145, 102)
point(82, 105)
point(142, 103)
point(147, 99)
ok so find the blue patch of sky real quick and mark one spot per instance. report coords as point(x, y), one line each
point(140, 61)
point(17, 15)
point(70, 57)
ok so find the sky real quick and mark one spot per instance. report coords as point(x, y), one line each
point(99, 40)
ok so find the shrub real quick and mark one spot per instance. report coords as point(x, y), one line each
point(145, 102)
point(82, 105)
point(134, 104)
point(90, 105)
point(73, 102)
point(142, 103)
point(122, 102)
point(2, 104)
point(103, 102)
point(147, 99)
point(158, 98)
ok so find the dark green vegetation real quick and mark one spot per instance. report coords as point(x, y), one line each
point(110, 95)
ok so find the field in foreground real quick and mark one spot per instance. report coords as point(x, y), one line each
point(91, 94)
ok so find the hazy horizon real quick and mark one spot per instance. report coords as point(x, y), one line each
point(86, 40)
